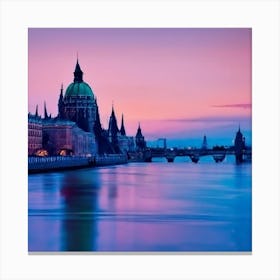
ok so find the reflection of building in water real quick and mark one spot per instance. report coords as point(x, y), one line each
point(77, 129)
point(79, 226)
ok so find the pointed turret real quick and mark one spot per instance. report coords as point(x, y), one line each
point(60, 100)
point(113, 111)
point(60, 103)
point(61, 91)
point(78, 74)
point(113, 131)
point(36, 113)
point(139, 139)
point(113, 126)
point(239, 146)
point(122, 128)
point(239, 134)
point(139, 132)
point(45, 111)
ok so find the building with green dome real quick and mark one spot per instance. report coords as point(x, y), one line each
point(78, 103)
point(76, 130)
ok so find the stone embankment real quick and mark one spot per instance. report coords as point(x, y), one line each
point(54, 163)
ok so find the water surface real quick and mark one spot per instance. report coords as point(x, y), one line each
point(157, 206)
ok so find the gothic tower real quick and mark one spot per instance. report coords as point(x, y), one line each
point(113, 131)
point(122, 130)
point(139, 139)
point(239, 146)
point(61, 104)
point(204, 143)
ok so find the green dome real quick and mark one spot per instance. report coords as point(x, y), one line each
point(79, 89)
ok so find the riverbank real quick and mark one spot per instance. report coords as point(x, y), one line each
point(59, 163)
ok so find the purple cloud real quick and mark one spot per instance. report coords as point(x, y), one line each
point(219, 119)
point(243, 106)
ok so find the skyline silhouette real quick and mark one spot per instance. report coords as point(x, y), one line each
point(178, 83)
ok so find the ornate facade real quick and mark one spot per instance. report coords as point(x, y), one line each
point(78, 104)
point(77, 128)
point(34, 133)
point(62, 137)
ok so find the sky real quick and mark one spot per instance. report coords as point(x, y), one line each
point(178, 83)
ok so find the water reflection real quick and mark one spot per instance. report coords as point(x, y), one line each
point(242, 206)
point(80, 193)
point(142, 207)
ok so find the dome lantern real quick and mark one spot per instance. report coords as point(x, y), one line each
point(78, 73)
point(78, 88)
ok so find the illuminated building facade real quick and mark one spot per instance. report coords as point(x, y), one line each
point(77, 129)
point(34, 133)
point(66, 138)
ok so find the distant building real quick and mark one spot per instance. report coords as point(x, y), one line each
point(62, 137)
point(140, 140)
point(126, 144)
point(34, 133)
point(204, 145)
point(120, 142)
point(239, 146)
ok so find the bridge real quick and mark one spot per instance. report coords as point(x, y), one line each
point(194, 154)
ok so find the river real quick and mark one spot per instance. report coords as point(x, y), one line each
point(143, 207)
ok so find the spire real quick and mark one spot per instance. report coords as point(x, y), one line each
point(113, 112)
point(113, 126)
point(122, 128)
point(61, 94)
point(139, 132)
point(36, 113)
point(139, 139)
point(61, 104)
point(78, 74)
point(239, 131)
point(45, 111)
point(113, 132)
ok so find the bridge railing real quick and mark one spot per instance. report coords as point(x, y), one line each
point(53, 159)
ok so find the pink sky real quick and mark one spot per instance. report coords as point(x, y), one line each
point(178, 83)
